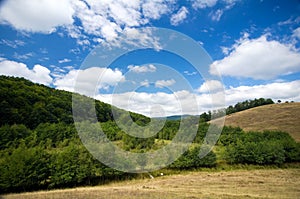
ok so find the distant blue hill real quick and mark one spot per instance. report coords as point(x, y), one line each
point(174, 117)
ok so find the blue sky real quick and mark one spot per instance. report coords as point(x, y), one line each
point(253, 47)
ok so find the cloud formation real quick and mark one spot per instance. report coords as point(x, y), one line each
point(37, 15)
point(65, 60)
point(216, 16)
point(142, 69)
point(204, 3)
point(164, 83)
point(38, 74)
point(180, 16)
point(258, 59)
point(13, 44)
point(210, 86)
point(182, 102)
point(285, 91)
point(89, 81)
point(296, 33)
point(105, 20)
point(145, 83)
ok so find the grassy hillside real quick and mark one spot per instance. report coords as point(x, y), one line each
point(282, 117)
point(274, 183)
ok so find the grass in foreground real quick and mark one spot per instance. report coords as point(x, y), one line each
point(270, 183)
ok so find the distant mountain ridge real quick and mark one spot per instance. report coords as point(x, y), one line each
point(175, 117)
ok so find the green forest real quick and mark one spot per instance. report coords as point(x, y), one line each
point(40, 147)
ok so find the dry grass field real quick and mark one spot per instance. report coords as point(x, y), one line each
point(283, 117)
point(270, 183)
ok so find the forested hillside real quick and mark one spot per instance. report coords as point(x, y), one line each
point(40, 147)
point(23, 102)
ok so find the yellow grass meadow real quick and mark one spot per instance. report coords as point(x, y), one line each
point(283, 117)
point(265, 183)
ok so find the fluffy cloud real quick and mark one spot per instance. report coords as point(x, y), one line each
point(38, 74)
point(65, 60)
point(153, 104)
point(178, 18)
point(36, 15)
point(108, 19)
point(145, 83)
point(154, 9)
point(88, 81)
point(142, 69)
point(126, 12)
point(258, 59)
point(296, 33)
point(210, 86)
point(184, 102)
point(104, 19)
point(138, 38)
point(204, 3)
point(216, 16)
point(164, 83)
point(94, 18)
point(285, 91)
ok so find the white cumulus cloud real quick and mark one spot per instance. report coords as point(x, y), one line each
point(185, 102)
point(296, 33)
point(164, 83)
point(153, 104)
point(88, 81)
point(258, 59)
point(107, 19)
point(37, 15)
point(142, 69)
point(210, 86)
point(179, 17)
point(38, 74)
point(103, 19)
point(145, 83)
point(154, 9)
point(204, 3)
point(285, 91)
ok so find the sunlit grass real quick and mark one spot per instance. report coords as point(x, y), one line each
point(264, 183)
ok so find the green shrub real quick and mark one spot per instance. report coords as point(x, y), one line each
point(191, 159)
point(263, 149)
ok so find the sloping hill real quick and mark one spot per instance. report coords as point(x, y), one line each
point(283, 117)
point(24, 102)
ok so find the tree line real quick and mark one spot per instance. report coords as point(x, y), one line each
point(240, 106)
point(52, 155)
point(41, 149)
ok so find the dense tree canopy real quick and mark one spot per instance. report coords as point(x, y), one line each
point(23, 102)
point(41, 149)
